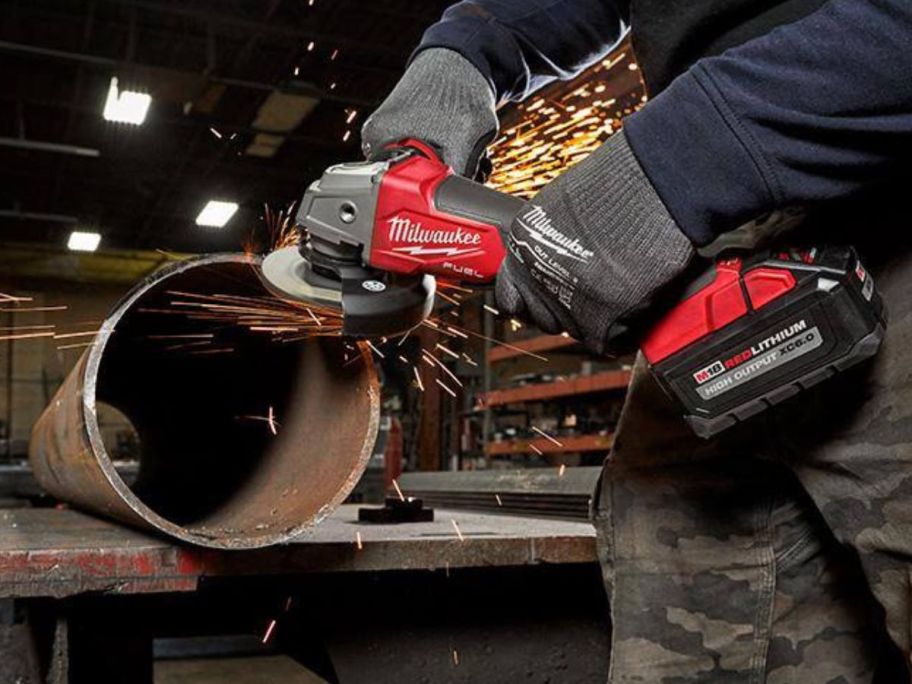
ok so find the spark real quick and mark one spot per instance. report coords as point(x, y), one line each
point(469, 360)
point(75, 346)
point(447, 285)
point(269, 630)
point(403, 359)
point(491, 309)
point(427, 358)
point(283, 320)
point(310, 46)
point(65, 336)
point(447, 389)
point(288, 604)
point(499, 502)
point(297, 71)
point(215, 133)
point(499, 343)
point(270, 418)
point(418, 378)
point(34, 309)
point(18, 328)
point(546, 436)
point(536, 450)
point(398, 490)
point(403, 339)
point(448, 298)
point(346, 136)
point(447, 371)
point(446, 350)
point(201, 336)
point(375, 350)
point(188, 345)
point(358, 542)
point(335, 53)
point(313, 316)
point(13, 299)
point(455, 657)
point(458, 531)
point(351, 116)
point(562, 470)
point(26, 336)
point(223, 350)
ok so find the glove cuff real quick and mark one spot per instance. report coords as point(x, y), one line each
point(617, 208)
point(443, 100)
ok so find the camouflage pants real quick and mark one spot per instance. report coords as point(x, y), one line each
point(779, 552)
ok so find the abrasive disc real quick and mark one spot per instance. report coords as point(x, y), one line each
point(283, 273)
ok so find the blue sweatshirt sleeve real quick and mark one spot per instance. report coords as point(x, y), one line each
point(522, 45)
point(813, 111)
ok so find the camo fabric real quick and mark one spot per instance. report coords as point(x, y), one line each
point(778, 552)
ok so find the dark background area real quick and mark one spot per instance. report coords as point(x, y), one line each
point(208, 64)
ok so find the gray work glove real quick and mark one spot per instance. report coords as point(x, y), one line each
point(442, 100)
point(592, 250)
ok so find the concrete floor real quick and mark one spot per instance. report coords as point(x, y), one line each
point(258, 670)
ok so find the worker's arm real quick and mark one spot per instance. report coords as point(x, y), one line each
point(813, 111)
point(522, 45)
point(483, 52)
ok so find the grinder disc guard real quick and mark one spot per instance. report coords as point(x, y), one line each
point(373, 303)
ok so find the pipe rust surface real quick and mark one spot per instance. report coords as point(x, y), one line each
point(211, 470)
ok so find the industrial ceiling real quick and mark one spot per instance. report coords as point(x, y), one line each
point(250, 100)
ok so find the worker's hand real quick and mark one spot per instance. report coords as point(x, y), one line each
point(442, 100)
point(592, 250)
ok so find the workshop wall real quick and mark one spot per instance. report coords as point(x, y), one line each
point(31, 370)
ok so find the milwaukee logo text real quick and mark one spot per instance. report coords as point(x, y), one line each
point(402, 229)
point(538, 225)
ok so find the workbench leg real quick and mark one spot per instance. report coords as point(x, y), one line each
point(18, 660)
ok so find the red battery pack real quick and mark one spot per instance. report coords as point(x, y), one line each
point(753, 332)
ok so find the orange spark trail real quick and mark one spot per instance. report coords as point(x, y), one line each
point(458, 531)
point(269, 630)
point(34, 309)
point(270, 418)
point(26, 336)
point(546, 436)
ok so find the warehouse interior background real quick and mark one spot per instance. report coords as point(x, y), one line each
point(134, 133)
point(250, 101)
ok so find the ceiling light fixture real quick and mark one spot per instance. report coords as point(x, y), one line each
point(216, 214)
point(81, 241)
point(126, 106)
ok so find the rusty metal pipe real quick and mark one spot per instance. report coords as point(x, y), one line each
point(208, 474)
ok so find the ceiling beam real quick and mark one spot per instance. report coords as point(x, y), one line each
point(111, 63)
point(222, 18)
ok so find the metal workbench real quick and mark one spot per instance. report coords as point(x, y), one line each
point(514, 597)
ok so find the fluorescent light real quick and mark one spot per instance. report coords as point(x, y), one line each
point(83, 242)
point(216, 214)
point(126, 106)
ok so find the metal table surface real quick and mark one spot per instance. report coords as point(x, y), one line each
point(62, 552)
